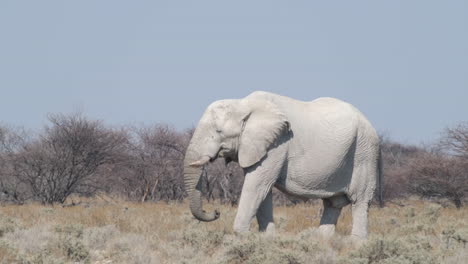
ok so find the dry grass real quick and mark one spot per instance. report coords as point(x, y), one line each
point(99, 231)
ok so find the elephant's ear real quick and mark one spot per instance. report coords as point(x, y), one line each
point(261, 128)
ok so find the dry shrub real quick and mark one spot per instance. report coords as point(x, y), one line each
point(123, 232)
point(70, 242)
point(255, 248)
point(98, 237)
point(7, 254)
point(7, 225)
point(37, 244)
point(455, 237)
point(203, 240)
point(390, 251)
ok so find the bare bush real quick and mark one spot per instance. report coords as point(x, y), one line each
point(396, 161)
point(12, 189)
point(443, 172)
point(65, 159)
point(153, 166)
point(438, 175)
point(455, 140)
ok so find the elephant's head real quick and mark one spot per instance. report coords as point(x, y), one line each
point(238, 130)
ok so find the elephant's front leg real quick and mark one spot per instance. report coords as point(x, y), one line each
point(256, 198)
point(265, 215)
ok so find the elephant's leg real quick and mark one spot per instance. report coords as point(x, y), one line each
point(257, 186)
point(329, 218)
point(360, 211)
point(361, 193)
point(265, 215)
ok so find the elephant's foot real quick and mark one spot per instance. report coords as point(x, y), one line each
point(327, 230)
point(241, 230)
point(358, 240)
point(329, 217)
point(360, 220)
point(270, 229)
point(241, 227)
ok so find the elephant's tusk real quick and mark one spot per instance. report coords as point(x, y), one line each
point(200, 162)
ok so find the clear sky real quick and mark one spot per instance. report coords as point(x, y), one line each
point(403, 63)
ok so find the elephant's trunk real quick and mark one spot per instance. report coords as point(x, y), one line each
point(191, 177)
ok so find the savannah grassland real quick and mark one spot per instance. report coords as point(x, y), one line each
point(110, 231)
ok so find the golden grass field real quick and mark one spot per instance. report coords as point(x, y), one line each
point(109, 231)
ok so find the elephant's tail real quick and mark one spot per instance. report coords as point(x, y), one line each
point(380, 197)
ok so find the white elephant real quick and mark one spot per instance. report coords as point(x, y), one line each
point(324, 149)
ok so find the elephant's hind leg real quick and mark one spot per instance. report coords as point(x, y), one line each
point(265, 215)
point(360, 219)
point(363, 194)
point(331, 211)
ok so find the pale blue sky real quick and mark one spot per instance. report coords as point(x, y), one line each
point(403, 63)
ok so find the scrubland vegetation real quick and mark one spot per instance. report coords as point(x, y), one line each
point(79, 191)
point(110, 231)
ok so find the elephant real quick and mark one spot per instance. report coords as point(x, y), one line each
point(325, 148)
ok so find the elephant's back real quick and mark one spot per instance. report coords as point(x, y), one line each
point(330, 118)
point(326, 105)
point(342, 116)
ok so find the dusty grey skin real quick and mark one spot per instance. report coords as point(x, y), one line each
point(323, 149)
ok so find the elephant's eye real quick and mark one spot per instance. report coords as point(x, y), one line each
point(219, 131)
